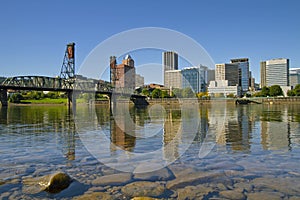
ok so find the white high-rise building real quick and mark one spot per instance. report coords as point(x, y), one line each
point(277, 72)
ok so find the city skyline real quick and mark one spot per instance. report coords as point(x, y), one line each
point(34, 33)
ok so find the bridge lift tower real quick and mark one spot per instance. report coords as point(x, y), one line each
point(68, 72)
point(68, 67)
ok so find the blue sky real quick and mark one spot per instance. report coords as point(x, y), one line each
point(34, 33)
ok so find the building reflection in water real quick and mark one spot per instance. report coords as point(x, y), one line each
point(122, 129)
point(216, 117)
point(172, 134)
point(120, 138)
point(239, 129)
point(231, 124)
point(275, 128)
point(39, 123)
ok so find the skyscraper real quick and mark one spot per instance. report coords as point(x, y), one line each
point(228, 72)
point(276, 72)
point(170, 62)
point(263, 74)
point(243, 64)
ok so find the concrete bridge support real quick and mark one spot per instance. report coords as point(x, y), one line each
point(72, 101)
point(3, 97)
point(112, 103)
point(3, 115)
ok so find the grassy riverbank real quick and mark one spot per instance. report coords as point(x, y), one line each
point(50, 101)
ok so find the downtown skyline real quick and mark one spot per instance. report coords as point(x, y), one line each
point(34, 34)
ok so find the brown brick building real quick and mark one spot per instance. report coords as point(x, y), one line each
point(122, 75)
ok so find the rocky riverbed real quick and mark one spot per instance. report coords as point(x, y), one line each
point(227, 179)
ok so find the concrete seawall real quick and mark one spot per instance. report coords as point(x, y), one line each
point(171, 101)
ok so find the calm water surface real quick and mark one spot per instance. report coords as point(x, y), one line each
point(248, 144)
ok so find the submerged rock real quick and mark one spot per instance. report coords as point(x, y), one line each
point(158, 175)
point(114, 179)
point(143, 188)
point(94, 195)
point(265, 196)
point(233, 194)
point(194, 192)
point(193, 178)
point(288, 185)
point(52, 183)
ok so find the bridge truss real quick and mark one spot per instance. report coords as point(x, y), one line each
point(43, 83)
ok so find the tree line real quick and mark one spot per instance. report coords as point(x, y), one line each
point(158, 93)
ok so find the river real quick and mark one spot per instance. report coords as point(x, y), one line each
point(216, 150)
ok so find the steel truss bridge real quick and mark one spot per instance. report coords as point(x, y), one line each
point(43, 83)
point(67, 82)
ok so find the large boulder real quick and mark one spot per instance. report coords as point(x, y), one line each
point(52, 183)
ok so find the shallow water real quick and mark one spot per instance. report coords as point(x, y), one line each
point(244, 150)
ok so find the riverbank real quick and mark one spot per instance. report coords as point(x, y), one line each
point(167, 101)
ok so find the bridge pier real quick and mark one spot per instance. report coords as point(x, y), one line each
point(3, 97)
point(71, 101)
point(3, 115)
point(112, 103)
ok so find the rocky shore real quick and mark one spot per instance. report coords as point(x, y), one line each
point(224, 180)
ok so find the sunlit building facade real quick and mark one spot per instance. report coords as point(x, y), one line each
point(195, 78)
point(170, 62)
point(294, 76)
point(275, 72)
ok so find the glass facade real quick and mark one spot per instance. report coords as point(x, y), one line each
point(195, 78)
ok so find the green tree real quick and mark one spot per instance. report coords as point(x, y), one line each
point(230, 95)
point(156, 93)
point(275, 90)
point(52, 95)
point(164, 94)
point(176, 93)
point(291, 93)
point(15, 98)
point(297, 90)
point(265, 91)
point(35, 95)
point(145, 92)
point(202, 95)
point(187, 93)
